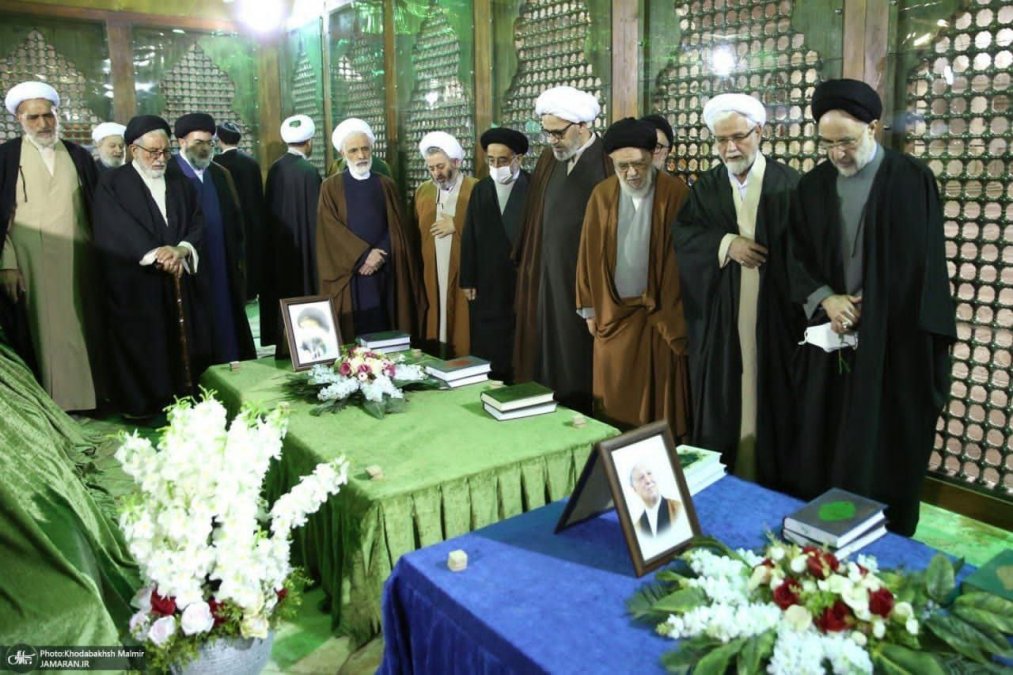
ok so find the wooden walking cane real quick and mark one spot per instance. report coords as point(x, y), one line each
point(187, 378)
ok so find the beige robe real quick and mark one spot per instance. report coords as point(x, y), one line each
point(749, 292)
point(49, 241)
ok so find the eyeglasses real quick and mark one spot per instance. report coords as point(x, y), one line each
point(210, 141)
point(843, 144)
point(624, 167)
point(734, 138)
point(557, 133)
point(154, 154)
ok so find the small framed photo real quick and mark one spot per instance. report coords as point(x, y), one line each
point(311, 327)
point(649, 490)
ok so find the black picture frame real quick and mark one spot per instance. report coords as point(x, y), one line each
point(626, 460)
point(309, 345)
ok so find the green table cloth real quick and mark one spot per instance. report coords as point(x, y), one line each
point(448, 467)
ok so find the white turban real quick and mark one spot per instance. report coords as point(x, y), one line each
point(443, 141)
point(567, 103)
point(27, 91)
point(297, 129)
point(747, 106)
point(353, 125)
point(105, 130)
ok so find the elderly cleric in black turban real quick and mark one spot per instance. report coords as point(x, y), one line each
point(853, 97)
point(630, 133)
point(142, 124)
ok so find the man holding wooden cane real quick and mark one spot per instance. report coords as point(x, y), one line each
point(148, 230)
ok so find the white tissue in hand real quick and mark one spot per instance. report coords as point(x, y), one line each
point(825, 338)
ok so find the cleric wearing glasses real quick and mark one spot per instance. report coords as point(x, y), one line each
point(867, 237)
point(731, 240)
point(552, 345)
point(148, 229)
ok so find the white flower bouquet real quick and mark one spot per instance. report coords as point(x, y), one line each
point(801, 611)
point(369, 378)
point(214, 562)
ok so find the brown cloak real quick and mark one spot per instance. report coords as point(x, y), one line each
point(458, 334)
point(641, 372)
point(528, 257)
point(339, 251)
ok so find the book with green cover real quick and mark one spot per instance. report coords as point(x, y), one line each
point(517, 396)
point(385, 338)
point(462, 366)
point(995, 576)
point(697, 459)
point(833, 516)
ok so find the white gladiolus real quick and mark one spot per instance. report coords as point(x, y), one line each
point(196, 517)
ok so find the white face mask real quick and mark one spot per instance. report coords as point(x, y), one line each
point(502, 174)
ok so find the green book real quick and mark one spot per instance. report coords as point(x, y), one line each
point(995, 576)
point(386, 338)
point(696, 460)
point(517, 396)
point(454, 369)
point(835, 517)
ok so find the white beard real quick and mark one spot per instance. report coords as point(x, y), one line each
point(111, 162)
point(359, 170)
point(641, 192)
point(150, 174)
point(863, 156)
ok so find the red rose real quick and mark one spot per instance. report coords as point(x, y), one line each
point(163, 606)
point(809, 550)
point(282, 594)
point(881, 602)
point(786, 594)
point(822, 563)
point(767, 562)
point(345, 369)
point(832, 562)
point(216, 611)
point(835, 619)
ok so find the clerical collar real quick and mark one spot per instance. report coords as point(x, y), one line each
point(198, 172)
point(580, 151)
point(356, 176)
point(296, 151)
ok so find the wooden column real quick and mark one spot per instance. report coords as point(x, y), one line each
point(390, 86)
point(866, 42)
point(483, 79)
point(269, 84)
point(121, 60)
point(325, 63)
point(626, 51)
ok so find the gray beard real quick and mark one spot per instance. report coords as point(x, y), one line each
point(112, 162)
point(862, 157)
point(150, 174)
point(360, 173)
point(46, 143)
point(198, 163)
point(641, 192)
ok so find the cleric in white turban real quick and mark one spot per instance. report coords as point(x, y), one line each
point(723, 104)
point(352, 125)
point(292, 196)
point(110, 149)
point(26, 91)
point(552, 344)
point(440, 208)
point(46, 275)
point(298, 129)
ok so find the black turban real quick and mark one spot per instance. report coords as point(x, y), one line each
point(630, 133)
point(229, 133)
point(142, 124)
point(661, 124)
point(514, 140)
point(194, 122)
point(853, 97)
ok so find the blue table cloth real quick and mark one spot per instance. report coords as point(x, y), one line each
point(532, 601)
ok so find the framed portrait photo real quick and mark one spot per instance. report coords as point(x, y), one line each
point(311, 328)
point(652, 501)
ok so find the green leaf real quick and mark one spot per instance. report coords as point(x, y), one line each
point(939, 579)
point(954, 632)
point(955, 665)
point(681, 601)
point(988, 623)
point(641, 605)
point(374, 408)
point(756, 650)
point(986, 637)
point(688, 654)
point(670, 577)
point(396, 405)
point(893, 659)
point(839, 510)
point(716, 661)
point(999, 607)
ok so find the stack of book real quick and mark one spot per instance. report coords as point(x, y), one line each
point(702, 468)
point(458, 372)
point(518, 400)
point(385, 342)
point(840, 520)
